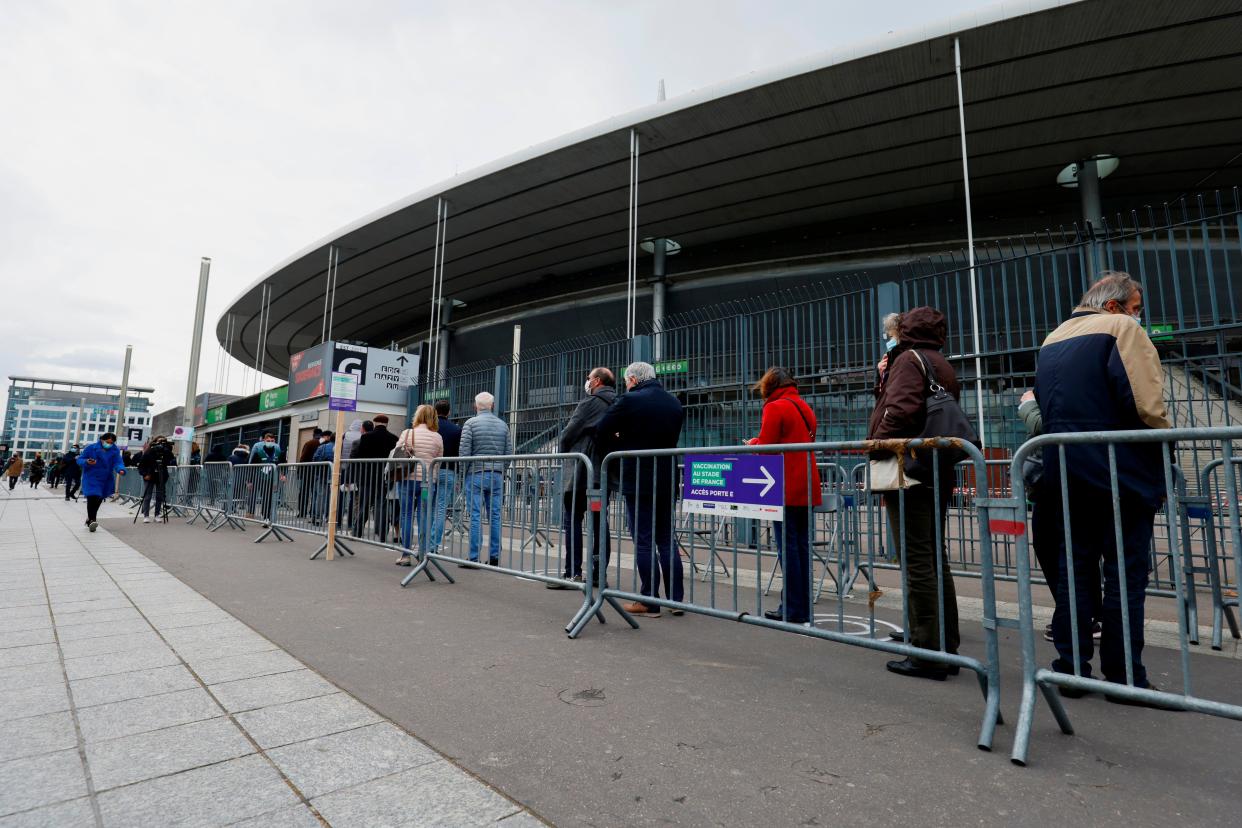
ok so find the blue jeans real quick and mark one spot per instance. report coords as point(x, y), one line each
point(411, 504)
point(642, 512)
point(794, 541)
point(446, 479)
point(484, 486)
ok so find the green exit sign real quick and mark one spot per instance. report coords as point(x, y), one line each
point(438, 394)
point(1161, 333)
point(672, 366)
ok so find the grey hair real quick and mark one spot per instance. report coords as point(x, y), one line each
point(1112, 286)
point(640, 371)
point(484, 401)
point(890, 324)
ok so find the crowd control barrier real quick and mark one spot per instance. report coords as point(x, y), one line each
point(1094, 520)
point(734, 487)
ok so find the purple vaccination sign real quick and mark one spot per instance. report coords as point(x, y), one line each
point(734, 485)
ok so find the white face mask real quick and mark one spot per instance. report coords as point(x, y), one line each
point(587, 386)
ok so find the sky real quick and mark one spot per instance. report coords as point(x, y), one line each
point(138, 137)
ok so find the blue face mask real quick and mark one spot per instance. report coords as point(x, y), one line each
point(891, 344)
point(107, 445)
point(1138, 319)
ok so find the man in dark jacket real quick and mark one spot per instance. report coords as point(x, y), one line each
point(901, 412)
point(372, 483)
point(72, 472)
point(269, 455)
point(647, 417)
point(579, 437)
point(153, 466)
point(1099, 371)
point(305, 477)
point(446, 477)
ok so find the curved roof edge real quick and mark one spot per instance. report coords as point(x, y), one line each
point(995, 13)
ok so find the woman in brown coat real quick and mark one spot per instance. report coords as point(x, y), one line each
point(14, 470)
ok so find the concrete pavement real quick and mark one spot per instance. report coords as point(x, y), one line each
point(132, 700)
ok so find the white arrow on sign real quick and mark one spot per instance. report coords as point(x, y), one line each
point(768, 480)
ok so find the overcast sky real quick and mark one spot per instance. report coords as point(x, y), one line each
point(136, 137)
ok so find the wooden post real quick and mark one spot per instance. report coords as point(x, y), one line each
point(334, 492)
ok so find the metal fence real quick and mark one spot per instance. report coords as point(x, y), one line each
point(1095, 538)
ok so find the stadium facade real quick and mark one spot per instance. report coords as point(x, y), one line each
point(775, 218)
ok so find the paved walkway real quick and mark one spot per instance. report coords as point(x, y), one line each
point(131, 700)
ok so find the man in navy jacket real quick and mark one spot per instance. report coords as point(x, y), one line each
point(647, 417)
point(1099, 371)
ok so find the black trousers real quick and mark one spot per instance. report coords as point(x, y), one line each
point(71, 487)
point(154, 486)
point(12, 483)
point(92, 506)
point(923, 592)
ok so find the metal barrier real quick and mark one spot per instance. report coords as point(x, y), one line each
point(1114, 525)
point(532, 508)
point(651, 496)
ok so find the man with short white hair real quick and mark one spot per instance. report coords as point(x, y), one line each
point(485, 435)
point(647, 417)
point(1099, 371)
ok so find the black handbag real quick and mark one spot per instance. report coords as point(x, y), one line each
point(945, 418)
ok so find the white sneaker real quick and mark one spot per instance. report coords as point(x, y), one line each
point(146, 520)
point(92, 525)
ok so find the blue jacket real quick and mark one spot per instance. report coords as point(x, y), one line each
point(485, 435)
point(1098, 371)
point(99, 480)
point(645, 417)
point(450, 433)
point(325, 452)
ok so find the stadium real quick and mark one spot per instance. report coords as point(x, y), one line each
point(774, 219)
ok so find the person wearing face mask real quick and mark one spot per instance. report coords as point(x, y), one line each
point(267, 454)
point(579, 436)
point(100, 462)
point(153, 466)
point(1099, 371)
point(71, 472)
point(892, 339)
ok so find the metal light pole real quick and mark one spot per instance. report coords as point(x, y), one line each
point(120, 410)
point(970, 245)
point(191, 382)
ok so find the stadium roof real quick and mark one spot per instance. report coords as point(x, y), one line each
point(859, 131)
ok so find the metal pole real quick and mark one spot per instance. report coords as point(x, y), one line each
point(191, 383)
point(1089, 192)
point(659, 248)
point(327, 291)
point(513, 382)
point(970, 244)
point(120, 409)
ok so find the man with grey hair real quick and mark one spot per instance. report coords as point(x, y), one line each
point(648, 417)
point(1099, 371)
point(485, 435)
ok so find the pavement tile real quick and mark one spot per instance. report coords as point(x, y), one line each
point(224, 647)
point(23, 701)
point(299, 816)
point(26, 622)
point(37, 734)
point(64, 610)
point(342, 760)
point(215, 795)
point(130, 759)
point(31, 675)
point(246, 666)
point(206, 632)
point(31, 654)
point(24, 638)
point(76, 813)
point(40, 780)
point(264, 691)
point(282, 724)
point(13, 598)
point(135, 685)
point(438, 794)
point(78, 632)
point(100, 616)
point(125, 718)
point(188, 619)
point(14, 613)
point(111, 644)
point(522, 819)
point(112, 663)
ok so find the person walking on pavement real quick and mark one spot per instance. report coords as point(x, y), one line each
point(901, 412)
point(54, 472)
point(787, 418)
point(421, 441)
point(446, 476)
point(13, 471)
point(153, 465)
point(1099, 371)
point(72, 472)
point(372, 484)
point(648, 417)
point(37, 467)
point(100, 462)
point(579, 437)
point(485, 435)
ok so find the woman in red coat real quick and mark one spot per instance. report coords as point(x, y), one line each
point(788, 419)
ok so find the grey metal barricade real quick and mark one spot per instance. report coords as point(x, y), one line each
point(1088, 525)
point(650, 498)
point(528, 515)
